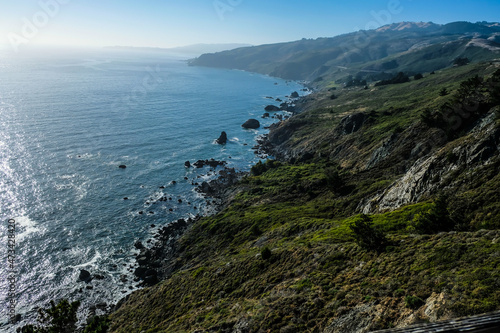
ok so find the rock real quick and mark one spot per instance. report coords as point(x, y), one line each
point(125, 198)
point(99, 277)
point(279, 100)
point(122, 166)
point(84, 276)
point(140, 272)
point(271, 108)
point(222, 138)
point(251, 124)
point(265, 115)
point(187, 164)
point(138, 245)
point(294, 95)
point(351, 123)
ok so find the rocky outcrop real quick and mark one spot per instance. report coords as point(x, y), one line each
point(222, 138)
point(432, 173)
point(351, 123)
point(251, 124)
point(211, 162)
point(271, 108)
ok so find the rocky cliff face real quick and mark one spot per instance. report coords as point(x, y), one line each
point(439, 170)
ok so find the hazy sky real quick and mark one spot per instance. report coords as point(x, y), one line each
point(170, 23)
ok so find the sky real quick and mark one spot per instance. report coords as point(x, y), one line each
point(172, 23)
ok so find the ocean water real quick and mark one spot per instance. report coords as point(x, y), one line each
point(68, 119)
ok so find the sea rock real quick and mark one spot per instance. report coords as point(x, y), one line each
point(138, 245)
point(187, 164)
point(84, 276)
point(271, 108)
point(294, 95)
point(122, 166)
point(222, 138)
point(251, 124)
point(265, 115)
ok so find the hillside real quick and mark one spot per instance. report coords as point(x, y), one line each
point(293, 250)
point(402, 47)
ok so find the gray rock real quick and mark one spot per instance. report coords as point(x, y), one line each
point(251, 124)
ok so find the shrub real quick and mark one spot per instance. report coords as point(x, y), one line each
point(413, 302)
point(266, 253)
point(418, 76)
point(366, 235)
point(60, 318)
point(435, 220)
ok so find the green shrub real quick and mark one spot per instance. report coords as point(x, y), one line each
point(366, 235)
point(266, 253)
point(413, 302)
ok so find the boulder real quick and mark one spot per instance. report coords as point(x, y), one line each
point(265, 115)
point(84, 276)
point(294, 95)
point(271, 108)
point(222, 138)
point(351, 123)
point(187, 164)
point(251, 123)
point(122, 166)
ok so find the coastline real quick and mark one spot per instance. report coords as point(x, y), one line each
point(159, 261)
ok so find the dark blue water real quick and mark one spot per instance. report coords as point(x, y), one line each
point(68, 119)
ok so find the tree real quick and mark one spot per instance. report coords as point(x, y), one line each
point(461, 61)
point(367, 235)
point(60, 318)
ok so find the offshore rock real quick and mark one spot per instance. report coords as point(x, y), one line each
point(84, 276)
point(222, 138)
point(251, 124)
point(271, 108)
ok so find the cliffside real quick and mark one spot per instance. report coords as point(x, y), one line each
point(289, 254)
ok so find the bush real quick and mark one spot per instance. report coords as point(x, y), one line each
point(60, 318)
point(413, 302)
point(399, 78)
point(435, 220)
point(266, 253)
point(366, 235)
point(418, 76)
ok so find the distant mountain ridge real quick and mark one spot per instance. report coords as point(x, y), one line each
point(411, 47)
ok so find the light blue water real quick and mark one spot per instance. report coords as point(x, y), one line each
point(69, 119)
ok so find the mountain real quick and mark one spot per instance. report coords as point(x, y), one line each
point(401, 47)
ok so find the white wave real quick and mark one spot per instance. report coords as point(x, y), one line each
point(92, 262)
point(26, 226)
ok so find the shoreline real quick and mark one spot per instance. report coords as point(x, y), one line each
point(158, 262)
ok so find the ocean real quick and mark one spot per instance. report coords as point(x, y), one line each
point(68, 119)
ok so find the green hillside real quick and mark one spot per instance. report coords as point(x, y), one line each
point(366, 54)
point(381, 210)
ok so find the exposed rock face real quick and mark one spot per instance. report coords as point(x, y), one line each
point(351, 123)
point(430, 173)
point(222, 138)
point(251, 124)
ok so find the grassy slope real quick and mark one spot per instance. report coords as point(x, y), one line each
point(302, 213)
